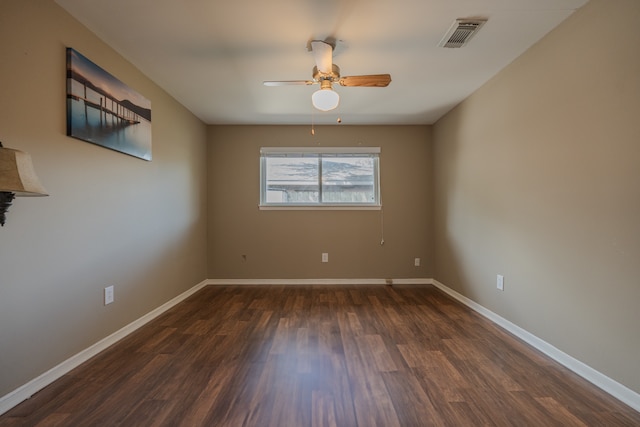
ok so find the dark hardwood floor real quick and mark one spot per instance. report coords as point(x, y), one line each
point(320, 356)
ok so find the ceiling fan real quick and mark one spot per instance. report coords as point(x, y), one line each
point(326, 73)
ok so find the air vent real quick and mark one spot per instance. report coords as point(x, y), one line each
point(461, 32)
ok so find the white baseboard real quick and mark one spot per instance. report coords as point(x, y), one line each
point(598, 379)
point(218, 282)
point(29, 389)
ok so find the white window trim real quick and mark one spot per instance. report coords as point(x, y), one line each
point(319, 150)
point(325, 207)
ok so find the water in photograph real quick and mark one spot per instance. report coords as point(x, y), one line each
point(104, 128)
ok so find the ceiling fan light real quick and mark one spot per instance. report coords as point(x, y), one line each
point(325, 99)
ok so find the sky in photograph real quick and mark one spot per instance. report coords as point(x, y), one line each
point(106, 81)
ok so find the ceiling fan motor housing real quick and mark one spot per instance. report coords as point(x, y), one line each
point(334, 76)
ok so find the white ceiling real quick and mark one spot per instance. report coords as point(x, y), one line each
point(212, 55)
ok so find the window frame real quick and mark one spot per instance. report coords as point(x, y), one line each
point(374, 152)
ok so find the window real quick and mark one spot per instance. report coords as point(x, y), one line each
point(335, 177)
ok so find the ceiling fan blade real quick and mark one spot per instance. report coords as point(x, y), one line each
point(372, 80)
point(323, 55)
point(288, 83)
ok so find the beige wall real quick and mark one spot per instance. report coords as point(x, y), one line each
point(538, 178)
point(111, 219)
point(289, 244)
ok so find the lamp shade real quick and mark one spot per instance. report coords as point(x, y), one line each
point(325, 99)
point(17, 174)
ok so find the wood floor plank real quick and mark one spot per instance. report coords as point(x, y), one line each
point(323, 412)
point(560, 413)
point(412, 404)
point(320, 356)
point(54, 420)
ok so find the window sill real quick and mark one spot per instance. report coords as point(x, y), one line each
point(327, 207)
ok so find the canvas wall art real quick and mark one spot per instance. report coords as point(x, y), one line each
point(104, 111)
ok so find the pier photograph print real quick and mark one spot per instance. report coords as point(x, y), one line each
point(104, 111)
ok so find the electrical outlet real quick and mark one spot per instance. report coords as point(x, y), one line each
point(325, 257)
point(500, 282)
point(416, 262)
point(108, 295)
